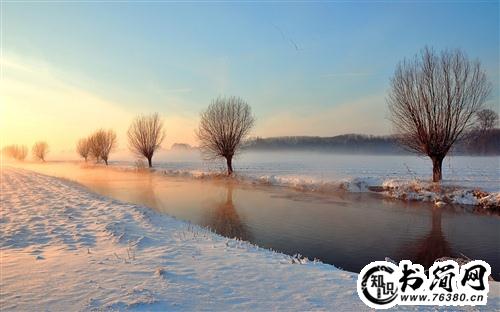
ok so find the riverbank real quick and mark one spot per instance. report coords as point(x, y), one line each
point(64, 247)
point(412, 189)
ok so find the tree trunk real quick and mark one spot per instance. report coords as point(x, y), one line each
point(106, 161)
point(150, 163)
point(437, 164)
point(229, 161)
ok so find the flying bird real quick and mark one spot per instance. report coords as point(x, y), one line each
point(287, 38)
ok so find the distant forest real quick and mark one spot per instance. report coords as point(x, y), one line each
point(476, 144)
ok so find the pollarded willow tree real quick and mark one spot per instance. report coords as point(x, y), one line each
point(223, 127)
point(101, 144)
point(40, 150)
point(433, 101)
point(17, 152)
point(145, 136)
point(83, 148)
point(487, 119)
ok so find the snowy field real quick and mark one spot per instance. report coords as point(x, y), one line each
point(319, 168)
point(64, 248)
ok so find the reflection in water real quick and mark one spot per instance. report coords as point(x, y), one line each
point(432, 246)
point(224, 219)
point(143, 188)
point(146, 195)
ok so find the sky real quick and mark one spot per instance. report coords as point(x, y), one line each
point(321, 68)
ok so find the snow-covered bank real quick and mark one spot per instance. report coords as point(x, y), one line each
point(440, 195)
point(404, 189)
point(63, 248)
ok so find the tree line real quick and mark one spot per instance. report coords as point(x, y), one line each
point(97, 145)
point(20, 152)
point(145, 135)
point(435, 101)
point(223, 127)
point(483, 143)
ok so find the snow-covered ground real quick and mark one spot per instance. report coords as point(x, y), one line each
point(295, 167)
point(64, 248)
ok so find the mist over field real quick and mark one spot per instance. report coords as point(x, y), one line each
point(319, 167)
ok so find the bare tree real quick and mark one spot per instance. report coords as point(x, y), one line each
point(481, 135)
point(40, 150)
point(101, 143)
point(487, 119)
point(145, 135)
point(95, 148)
point(223, 127)
point(109, 144)
point(433, 101)
point(83, 148)
point(18, 152)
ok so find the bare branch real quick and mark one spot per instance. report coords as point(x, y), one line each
point(40, 150)
point(145, 136)
point(83, 148)
point(17, 152)
point(487, 119)
point(223, 127)
point(433, 101)
point(101, 143)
